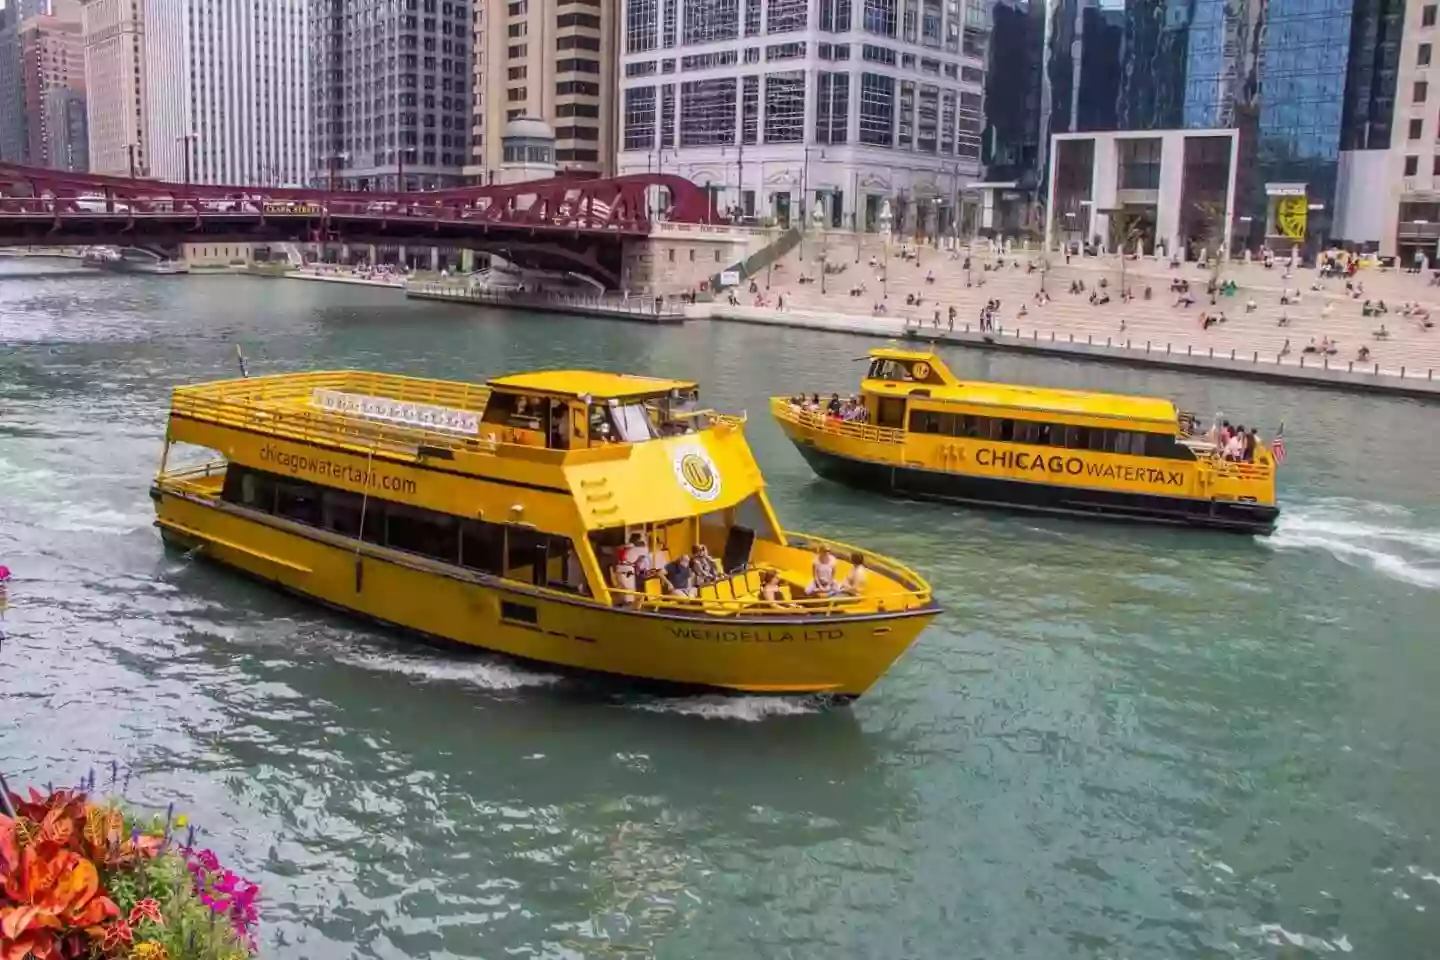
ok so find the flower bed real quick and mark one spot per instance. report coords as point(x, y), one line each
point(80, 878)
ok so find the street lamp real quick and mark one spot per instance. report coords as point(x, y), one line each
point(400, 167)
point(333, 161)
point(886, 219)
point(817, 220)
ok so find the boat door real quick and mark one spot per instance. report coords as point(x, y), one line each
point(890, 412)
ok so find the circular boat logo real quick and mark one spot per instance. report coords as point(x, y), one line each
point(920, 371)
point(697, 474)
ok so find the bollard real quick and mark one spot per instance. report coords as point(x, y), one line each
point(1232, 353)
point(1189, 349)
point(1037, 335)
point(1350, 367)
point(1107, 343)
point(967, 328)
point(1052, 336)
point(1325, 363)
point(1147, 346)
point(1127, 344)
point(1212, 353)
point(1256, 358)
point(1072, 338)
point(1402, 373)
point(1431, 374)
point(1167, 349)
point(1377, 369)
point(1302, 361)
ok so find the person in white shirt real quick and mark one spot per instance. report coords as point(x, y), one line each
point(823, 572)
point(1235, 446)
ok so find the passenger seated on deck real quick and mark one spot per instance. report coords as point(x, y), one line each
point(771, 590)
point(703, 565)
point(854, 584)
point(623, 574)
point(823, 574)
point(679, 577)
point(637, 554)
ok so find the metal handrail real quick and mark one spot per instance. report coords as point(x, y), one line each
point(917, 586)
point(784, 410)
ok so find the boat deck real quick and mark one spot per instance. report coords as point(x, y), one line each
point(374, 410)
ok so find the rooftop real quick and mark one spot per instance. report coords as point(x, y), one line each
point(593, 383)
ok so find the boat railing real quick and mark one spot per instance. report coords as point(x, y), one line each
point(190, 478)
point(713, 606)
point(783, 409)
point(914, 584)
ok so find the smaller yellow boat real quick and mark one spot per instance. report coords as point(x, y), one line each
point(919, 431)
point(588, 520)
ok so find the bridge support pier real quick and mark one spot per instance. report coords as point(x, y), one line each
point(374, 257)
point(467, 261)
point(434, 259)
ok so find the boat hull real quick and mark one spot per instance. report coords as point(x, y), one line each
point(924, 484)
point(833, 656)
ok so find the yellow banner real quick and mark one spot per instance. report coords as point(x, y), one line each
point(1290, 216)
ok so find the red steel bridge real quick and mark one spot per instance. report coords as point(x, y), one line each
point(564, 223)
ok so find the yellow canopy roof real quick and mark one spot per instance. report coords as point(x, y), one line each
point(592, 383)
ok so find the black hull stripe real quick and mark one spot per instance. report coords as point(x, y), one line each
point(922, 484)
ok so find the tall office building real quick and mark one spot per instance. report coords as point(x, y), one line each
point(391, 82)
point(552, 60)
point(66, 130)
point(778, 105)
point(227, 89)
point(1308, 84)
point(40, 52)
point(114, 36)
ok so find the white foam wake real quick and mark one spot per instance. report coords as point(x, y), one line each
point(721, 707)
point(486, 674)
point(1362, 534)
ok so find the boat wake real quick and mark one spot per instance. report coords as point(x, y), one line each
point(721, 707)
point(481, 673)
point(1382, 537)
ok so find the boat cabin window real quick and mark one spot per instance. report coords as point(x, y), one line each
point(676, 413)
point(517, 553)
point(1136, 443)
point(615, 422)
point(881, 369)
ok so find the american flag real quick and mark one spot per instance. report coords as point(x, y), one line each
point(1277, 446)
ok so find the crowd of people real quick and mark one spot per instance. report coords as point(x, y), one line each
point(849, 409)
point(635, 564)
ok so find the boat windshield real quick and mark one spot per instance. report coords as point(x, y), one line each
point(621, 422)
point(678, 413)
point(882, 369)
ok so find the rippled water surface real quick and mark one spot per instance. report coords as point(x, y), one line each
point(1117, 742)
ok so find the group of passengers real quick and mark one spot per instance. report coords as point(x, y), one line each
point(849, 409)
point(682, 577)
point(1235, 443)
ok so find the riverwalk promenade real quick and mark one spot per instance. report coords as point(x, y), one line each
point(1269, 325)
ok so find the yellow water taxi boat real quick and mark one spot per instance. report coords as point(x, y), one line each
point(544, 516)
point(919, 431)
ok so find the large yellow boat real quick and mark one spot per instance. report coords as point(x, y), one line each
point(543, 516)
point(919, 431)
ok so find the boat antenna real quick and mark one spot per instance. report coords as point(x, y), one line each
point(240, 358)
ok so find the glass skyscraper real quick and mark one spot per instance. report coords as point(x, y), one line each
point(1301, 80)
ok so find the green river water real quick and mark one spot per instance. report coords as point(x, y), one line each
point(1117, 742)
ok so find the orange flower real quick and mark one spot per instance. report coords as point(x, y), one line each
point(117, 933)
point(147, 909)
